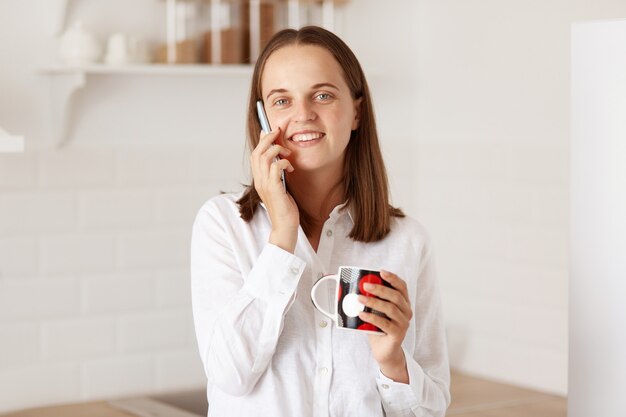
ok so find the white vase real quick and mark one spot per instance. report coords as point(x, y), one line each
point(78, 47)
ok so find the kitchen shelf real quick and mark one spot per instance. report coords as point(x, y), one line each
point(65, 81)
point(150, 69)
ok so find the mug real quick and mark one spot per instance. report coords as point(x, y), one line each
point(350, 281)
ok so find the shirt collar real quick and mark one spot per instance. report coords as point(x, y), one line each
point(336, 213)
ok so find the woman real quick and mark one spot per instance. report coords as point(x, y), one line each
point(256, 254)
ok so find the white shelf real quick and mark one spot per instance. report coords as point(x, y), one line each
point(65, 81)
point(150, 69)
point(10, 143)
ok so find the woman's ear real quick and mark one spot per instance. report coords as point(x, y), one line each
point(357, 113)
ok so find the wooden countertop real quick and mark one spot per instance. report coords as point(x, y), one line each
point(88, 409)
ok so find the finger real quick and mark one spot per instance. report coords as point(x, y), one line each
point(396, 282)
point(275, 150)
point(267, 139)
point(390, 294)
point(389, 309)
point(276, 167)
point(260, 163)
point(282, 164)
point(382, 323)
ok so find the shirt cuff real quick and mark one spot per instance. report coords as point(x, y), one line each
point(276, 273)
point(398, 398)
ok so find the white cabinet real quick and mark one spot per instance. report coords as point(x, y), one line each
point(597, 359)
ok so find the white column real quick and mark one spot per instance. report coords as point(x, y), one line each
point(597, 330)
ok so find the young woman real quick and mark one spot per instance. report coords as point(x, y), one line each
point(256, 254)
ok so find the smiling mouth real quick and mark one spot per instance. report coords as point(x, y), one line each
point(307, 137)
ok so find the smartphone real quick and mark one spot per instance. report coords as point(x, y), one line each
point(265, 126)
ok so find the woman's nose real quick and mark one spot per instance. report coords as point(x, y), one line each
point(303, 112)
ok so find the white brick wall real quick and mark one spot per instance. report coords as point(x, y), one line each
point(21, 344)
point(118, 292)
point(77, 339)
point(94, 272)
point(71, 168)
point(77, 253)
point(501, 238)
point(17, 170)
point(49, 383)
point(36, 211)
point(18, 256)
point(118, 376)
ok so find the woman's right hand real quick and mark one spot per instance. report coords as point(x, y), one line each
point(281, 206)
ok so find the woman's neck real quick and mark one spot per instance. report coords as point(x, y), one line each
point(316, 194)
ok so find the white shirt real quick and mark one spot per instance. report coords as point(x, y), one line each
point(267, 351)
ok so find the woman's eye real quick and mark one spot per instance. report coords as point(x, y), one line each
point(280, 102)
point(323, 96)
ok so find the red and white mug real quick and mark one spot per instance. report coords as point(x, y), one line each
point(349, 285)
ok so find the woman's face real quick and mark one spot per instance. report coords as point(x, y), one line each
point(305, 94)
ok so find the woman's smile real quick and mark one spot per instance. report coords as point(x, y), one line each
point(305, 139)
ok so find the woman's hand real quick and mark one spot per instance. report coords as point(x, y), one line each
point(281, 207)
point(394, 302)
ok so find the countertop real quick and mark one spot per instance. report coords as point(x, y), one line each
point(88, 409)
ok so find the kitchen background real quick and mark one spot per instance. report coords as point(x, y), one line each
point(472, 99)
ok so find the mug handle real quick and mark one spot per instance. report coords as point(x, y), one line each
point(314, 295)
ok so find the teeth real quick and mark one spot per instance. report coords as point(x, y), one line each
point(305, 137)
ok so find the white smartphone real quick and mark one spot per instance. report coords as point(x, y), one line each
point(265, 126)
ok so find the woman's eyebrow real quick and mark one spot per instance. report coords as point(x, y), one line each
point(275, 91)
point(320, 85)
point(313, 87)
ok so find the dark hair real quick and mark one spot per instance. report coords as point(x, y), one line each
point(364, 175)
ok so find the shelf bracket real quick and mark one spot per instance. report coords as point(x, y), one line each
point(62, 92)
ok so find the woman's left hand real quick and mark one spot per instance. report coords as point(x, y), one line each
point(394, 302)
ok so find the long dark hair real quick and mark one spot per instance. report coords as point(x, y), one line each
point(364, 175)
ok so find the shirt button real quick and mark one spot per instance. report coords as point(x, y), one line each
point(294, 270)
point(324, 371)
point(385, 386)
point(329, 233)
point(323, 323)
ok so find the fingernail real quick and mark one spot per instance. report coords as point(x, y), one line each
point(368, 286)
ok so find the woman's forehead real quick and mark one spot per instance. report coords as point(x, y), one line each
point(301, 66)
